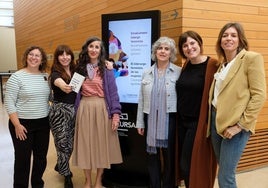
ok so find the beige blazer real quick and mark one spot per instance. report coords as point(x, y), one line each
point(242, 95)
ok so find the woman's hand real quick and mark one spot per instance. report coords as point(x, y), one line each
point(232, 131)
point(140, 131)
point(21, 132)
point(60, 83)
point(115, 122)
point(66, 88)
point(115, 125)
point(109, 65)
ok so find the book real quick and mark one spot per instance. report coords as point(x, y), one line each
point(76, 82)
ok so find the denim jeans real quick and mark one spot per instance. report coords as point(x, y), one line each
point(228, 153)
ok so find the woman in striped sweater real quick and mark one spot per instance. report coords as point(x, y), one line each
point(26, 102)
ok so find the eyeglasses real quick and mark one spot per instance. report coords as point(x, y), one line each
point(34, 55)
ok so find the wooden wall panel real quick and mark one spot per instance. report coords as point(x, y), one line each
point(72, 23)
point(207, 17)
point(52, 22)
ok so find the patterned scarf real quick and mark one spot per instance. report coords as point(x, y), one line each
point(91, 70)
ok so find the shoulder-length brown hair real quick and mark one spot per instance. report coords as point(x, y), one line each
point(183, 38)
point(243, 43)
point(56, 66)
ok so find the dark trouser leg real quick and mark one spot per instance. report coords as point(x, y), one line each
point(154, 167)
point(169, 155)
point(22, 152)
point(40, 148)
point(187, 136)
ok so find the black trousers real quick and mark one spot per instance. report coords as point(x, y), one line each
point(161, 166)
point(187, 131)
point(35, 145)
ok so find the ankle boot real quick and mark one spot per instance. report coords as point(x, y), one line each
point(56, 168)
point(68, 182)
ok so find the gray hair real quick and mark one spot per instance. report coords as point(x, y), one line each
point(168, 41)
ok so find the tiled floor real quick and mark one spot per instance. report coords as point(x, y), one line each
point(254, 179)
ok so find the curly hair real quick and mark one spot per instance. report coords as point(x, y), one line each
point(168, 41)
point(84, 58)
point(43, 65)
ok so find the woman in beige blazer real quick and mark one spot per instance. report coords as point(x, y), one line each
point(237, 95)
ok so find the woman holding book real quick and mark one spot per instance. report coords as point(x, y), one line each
point(62, 113)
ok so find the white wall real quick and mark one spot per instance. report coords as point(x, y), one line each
point(8, 58)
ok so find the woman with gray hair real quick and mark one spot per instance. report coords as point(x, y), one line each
point(156, 117)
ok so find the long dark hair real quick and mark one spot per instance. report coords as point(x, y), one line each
point(84, 58)
point(56, 66)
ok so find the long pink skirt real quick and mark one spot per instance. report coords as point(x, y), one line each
point(96, 145)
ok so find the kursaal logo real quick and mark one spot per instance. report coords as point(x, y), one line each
point(125, 123)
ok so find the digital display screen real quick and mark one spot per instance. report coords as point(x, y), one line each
point(128, 38)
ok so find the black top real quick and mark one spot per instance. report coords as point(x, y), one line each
point(189, 89)
point(58, 94)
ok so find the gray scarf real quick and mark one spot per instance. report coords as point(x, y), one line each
point(157, 133)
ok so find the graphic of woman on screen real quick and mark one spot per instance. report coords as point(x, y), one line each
point(117, 55)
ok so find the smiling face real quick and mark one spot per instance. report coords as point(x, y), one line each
point(94, 50)
point(191, 49)
point(163, 53)
point(34, 59)
point(65, 59)
point(230, 41)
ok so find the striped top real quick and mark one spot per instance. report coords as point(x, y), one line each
point(27, 94)
point(93, 87)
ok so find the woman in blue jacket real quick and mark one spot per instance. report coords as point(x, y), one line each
point(156, 118)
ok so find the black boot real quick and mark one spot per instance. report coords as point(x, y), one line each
point(68, 182)
point(56, 168)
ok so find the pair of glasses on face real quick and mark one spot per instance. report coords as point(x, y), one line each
point(34, 55)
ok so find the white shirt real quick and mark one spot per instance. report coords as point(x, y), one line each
point(219, 77)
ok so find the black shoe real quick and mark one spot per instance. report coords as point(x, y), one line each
point(56, 168)
point(68, 182)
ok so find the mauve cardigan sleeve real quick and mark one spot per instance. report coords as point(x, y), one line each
point(110, 93)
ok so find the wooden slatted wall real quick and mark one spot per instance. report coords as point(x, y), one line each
point(207, 17)
point(52, 22)
point(255, 155)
